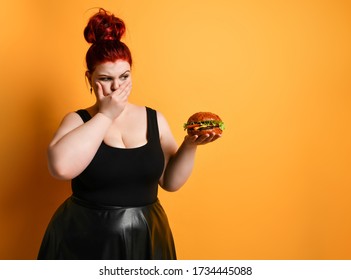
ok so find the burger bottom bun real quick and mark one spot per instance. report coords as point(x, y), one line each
point(215, 130)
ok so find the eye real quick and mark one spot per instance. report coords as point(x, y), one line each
point(105, 79)
point(124, 77)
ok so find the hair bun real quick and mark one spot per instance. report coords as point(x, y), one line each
point(104, 26)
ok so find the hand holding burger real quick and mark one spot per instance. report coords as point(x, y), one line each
point(204, 127)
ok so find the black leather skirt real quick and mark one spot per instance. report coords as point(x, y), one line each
point(79, 230)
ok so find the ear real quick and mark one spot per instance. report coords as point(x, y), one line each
point(88, 77)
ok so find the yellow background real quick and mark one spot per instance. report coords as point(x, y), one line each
point(276, 186)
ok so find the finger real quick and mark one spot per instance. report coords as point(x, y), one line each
point(207, 138)
point(217, 136)
point(190, 139)
point(125, 87)
point(213, 137)
point(126, 90)
point(100, 92)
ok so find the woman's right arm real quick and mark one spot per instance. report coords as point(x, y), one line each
point(75, 144)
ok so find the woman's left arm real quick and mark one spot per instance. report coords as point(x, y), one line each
point(179, 162)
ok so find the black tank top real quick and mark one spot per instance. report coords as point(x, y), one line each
point(123, 176)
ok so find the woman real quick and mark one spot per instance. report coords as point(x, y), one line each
point(116, 154)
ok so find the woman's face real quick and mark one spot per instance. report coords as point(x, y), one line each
point(110, 75)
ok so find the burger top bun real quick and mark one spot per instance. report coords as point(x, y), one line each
point(202, 123)
point(203, 116)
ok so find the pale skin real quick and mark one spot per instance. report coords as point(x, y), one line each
point(113, 121)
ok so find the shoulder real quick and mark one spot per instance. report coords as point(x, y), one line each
point(69, 122)
point(167, 140)
point(165, 132)
point(160, 117)
point(162, 122)
point(72, 118)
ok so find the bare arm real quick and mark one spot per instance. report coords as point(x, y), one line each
point(179, 162)
point(75, 143)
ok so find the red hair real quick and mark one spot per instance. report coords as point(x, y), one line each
point(104, 31)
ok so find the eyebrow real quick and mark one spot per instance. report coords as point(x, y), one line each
point(108, 75)
point(128, 71)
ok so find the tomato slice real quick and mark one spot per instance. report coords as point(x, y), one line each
point(192, 125)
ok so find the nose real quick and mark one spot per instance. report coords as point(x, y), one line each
point(115, 85)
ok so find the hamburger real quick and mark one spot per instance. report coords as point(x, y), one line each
point(202, 123)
